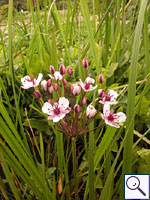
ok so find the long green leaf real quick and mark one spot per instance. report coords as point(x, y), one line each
point(9, 177)
point(62, 33)
point(23, 158)
point(86, 15)
point(104, 144)
point(127, 157)
point(10, 52)
point(3, 189)
point(146, 43)
point(19, 170)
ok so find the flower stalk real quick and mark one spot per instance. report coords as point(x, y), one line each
point(75, 166)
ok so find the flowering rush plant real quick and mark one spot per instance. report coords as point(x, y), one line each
point(66, 103)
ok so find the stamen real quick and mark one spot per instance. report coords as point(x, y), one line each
point(87, 85)
point(57, 110)
point(111, 117)
point(107, 98)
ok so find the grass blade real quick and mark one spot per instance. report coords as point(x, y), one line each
point(127, 158)
point(85, 11)
point(10, 52)
point(9, 177)
point(146, 43)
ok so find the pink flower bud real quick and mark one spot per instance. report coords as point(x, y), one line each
point(57, 100)
point(90, 111)
point(62, 69)
point(51, 69)
point(101, 93)
point(70, 71)
point(44, 85)
point(85, 63)
point(100, 78)
point(77, 108)
point(49, 101)
point(64, 124)
point(49, 82)
point(37, 94)
point(56, 87)
point(84, 101)
point(50, 89)
point(76, 89)
point(64, 81)
point(71, 87)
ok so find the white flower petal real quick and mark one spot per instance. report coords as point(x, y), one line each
point(93, 88)
point(90, 111)
point(27, 85)
point(51, 76)
point(25, 79)
point(26, 82)
point(103, 116)
point(90, 80)
point(63, 102)
point(57, 118)
point(44, 85)
point(106, 109)
point(112, 124)
point(121, 117)
point(113, 94)
point(76, 89)
point(39, 78)
point(47, 108)
point(81, 83)
point(110, 102)
point(58, 76)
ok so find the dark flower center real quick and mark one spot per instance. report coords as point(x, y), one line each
point(56, 110)
point(111, 117)
point(107, 98)
point(87, 85)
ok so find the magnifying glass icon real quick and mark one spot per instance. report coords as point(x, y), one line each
point(133, 183)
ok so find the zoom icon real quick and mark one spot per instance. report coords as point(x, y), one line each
point(136, 186)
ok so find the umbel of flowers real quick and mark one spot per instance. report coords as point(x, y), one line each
point(70, 112)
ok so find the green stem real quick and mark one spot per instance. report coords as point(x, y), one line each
point(75, 167)
point(91, 163)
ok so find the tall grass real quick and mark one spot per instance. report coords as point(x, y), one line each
point(127, 159)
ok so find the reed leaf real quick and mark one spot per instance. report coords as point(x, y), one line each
point(127, 156)
point(92, 42)
point(9, 177)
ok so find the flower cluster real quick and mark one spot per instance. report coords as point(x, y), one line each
point(71, 113)
point(108, 99)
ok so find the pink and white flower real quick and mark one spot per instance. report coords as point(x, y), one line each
point(88, 85)
point(57, 76)
point(29, 82)
point(57, 111)
point(111, 118)
point(75, 89)
point(109, 98)
point(44, 85)
point(101, 93)
point(90, 111)
point(50, 89)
